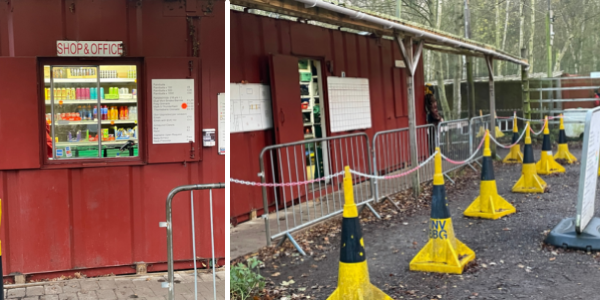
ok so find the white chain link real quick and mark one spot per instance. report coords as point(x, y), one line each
point(510, 146)
point(397, 175)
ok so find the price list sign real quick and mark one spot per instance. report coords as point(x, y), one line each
point(172, 111)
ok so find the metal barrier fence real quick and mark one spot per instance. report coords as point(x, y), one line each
point(478, 126)
point(455, 142)
point(305, 176)
point(314, 166)
point(169, 226)
point(391, 155)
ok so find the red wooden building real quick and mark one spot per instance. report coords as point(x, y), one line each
point(268, 47)
point(68, 206)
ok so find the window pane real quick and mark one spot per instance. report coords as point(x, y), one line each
point(89, 116)
point(70, 96)
point(119, 132)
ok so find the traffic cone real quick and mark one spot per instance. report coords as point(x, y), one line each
point(443, 253)
point(530, 181)
point(481, 131)
point(499, 132)
point(353, 277)
point(547, 165)
point(514, 156)
point(563, 148)
point(489, 205)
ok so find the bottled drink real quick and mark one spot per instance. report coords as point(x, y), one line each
point(95, 112)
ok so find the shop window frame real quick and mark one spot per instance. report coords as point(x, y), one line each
point(141, 117)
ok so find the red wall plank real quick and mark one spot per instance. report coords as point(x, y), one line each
point(18, 99)
point(39, 215)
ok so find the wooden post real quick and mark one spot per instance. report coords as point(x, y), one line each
point(411, 59)
point(525, 87)
point(490, 64)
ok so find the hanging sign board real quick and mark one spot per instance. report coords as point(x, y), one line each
point(89, 48)
point(172, 111)
point(588, 177)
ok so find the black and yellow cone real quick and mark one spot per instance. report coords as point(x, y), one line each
point(530, 181)
point(481, 131)
point(499, 132)
point(353, 277)
point(515, 156)
point(547, 165)
point(489, 205)
point(443, 253)
point(563, 148)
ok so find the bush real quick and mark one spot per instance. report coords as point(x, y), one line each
point(244, 281)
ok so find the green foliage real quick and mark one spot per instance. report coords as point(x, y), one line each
point(245, 280)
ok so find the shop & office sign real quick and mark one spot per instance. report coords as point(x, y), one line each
point(89, 48)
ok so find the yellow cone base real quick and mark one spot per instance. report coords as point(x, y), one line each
point(481, 132)
point(354, 284)
point(547, 165)
point(530, 182)
point(489, 205)
point(564, 154)
point(443, 253)
point(515, 156)
point(499, 133)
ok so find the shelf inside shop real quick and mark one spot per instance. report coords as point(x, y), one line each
point(89, 80)
point(109, 122)
point(309, 136)
point(92, 101)
point(307, 110)
point(95, 143)
point(307, 124)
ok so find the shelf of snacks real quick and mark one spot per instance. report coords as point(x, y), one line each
point(75, 102)
point(95, 143)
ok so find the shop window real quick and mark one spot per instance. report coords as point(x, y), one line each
point(91, 111)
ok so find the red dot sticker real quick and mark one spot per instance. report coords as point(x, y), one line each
point(184, 105)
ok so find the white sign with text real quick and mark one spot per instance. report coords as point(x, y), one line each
point(172, 111)
point(588, 176)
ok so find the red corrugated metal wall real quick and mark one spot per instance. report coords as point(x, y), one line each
point(255, 38)
point(60, 220)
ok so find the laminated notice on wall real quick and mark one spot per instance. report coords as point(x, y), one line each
point(349, 103)
point(173, 111)
point(221, 129)
point(250, 107)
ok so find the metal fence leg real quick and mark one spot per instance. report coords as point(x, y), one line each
point(368, 205)
point(470, 165)
point(392, 202)
point(282, 241)
point(289, 236)
point(449, 178)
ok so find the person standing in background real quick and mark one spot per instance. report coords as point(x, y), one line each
point(431, 107)
point(433, 115)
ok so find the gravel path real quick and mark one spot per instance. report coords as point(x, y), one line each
point(512, 262)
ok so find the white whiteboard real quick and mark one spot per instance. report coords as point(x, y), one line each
point(172, 111)
point(349, 103)
point(588, 176)
point(250, 107)
point(222, 138)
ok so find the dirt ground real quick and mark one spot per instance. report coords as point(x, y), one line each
point(512, 262)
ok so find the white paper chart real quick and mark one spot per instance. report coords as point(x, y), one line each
point(172, 111)
point(250, 107)
point(222, 134)
point(349, 103)
point(589, 170)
